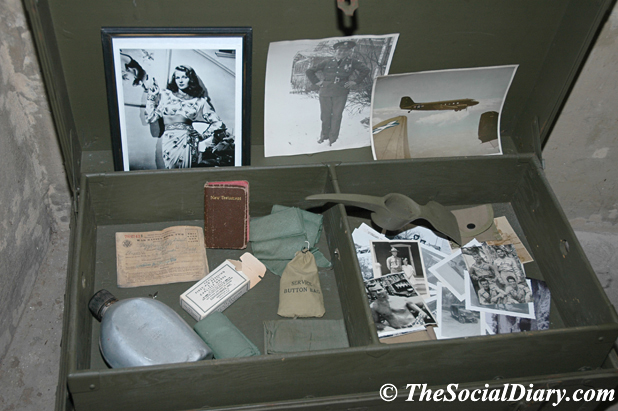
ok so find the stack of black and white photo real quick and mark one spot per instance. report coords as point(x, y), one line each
point(416, 279)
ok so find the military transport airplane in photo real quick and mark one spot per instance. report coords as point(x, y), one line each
point(457, 105)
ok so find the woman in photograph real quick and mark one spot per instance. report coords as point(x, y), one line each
point(409, 271)
point(183, 102)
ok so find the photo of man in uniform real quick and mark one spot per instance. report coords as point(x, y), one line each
point(338, 75)
point(401, 257)
point(317, 96)
point(393, 263)
point(515, 293)
point(489, 293)
point(507, 266)
point(481, 269)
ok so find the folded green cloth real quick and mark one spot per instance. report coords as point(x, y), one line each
point(223, 338)
point(285, 223)
point(311, 221)
point(276, 238)
point(287, 336)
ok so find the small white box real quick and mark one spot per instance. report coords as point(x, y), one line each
point(215, 292)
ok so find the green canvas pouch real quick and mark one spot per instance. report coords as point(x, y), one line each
point(285, 223)
point(311, 221)
point(278, 236)
point(300, 294)
point(287, 336)
point(223, 338)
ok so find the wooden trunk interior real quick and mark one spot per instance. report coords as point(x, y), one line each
point(548, 40)
point(583, 325)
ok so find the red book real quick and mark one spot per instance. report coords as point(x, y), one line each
point(226, 214)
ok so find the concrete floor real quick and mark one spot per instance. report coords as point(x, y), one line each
point(28, 376)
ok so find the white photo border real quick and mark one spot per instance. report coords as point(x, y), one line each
point(238, 39)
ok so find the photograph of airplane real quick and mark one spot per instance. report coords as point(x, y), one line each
point(439, 113)
point(457, 105)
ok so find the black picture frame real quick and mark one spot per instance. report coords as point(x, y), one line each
point(220, 58)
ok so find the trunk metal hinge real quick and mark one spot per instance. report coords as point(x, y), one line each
point(347, 6)
point(347, 25)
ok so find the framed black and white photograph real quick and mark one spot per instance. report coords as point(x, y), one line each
point(318, 92)
point(178, 97)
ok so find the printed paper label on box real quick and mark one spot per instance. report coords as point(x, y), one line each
point(215, 292)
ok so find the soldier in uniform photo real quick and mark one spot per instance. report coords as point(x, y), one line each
point(489, 293)
point(481, 269)
point(515, 293)
point(507, 266)
point(339, 74)
point(393, 263)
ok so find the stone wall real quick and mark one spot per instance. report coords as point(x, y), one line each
point(34, 195)
point(581, 154)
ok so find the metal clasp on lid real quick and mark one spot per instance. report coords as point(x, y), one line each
point(347, 6)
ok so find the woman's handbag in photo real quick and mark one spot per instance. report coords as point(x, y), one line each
point(157, 128)
point(300, 294)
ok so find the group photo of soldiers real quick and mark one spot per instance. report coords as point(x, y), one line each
point(497, 274)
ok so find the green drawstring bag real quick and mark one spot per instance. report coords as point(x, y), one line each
point(300, 294)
